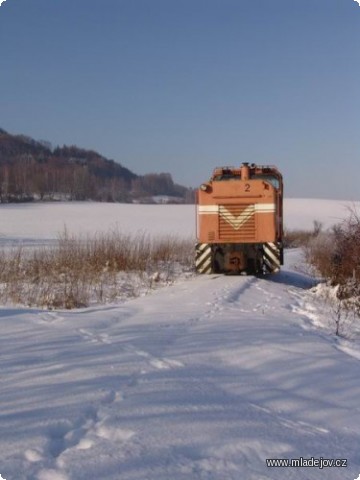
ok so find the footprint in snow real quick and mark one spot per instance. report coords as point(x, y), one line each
point(165, 364)
point(50, 317)
point(33, 456)
point(94, 337)
point(51, 474)
point(161, 363)
point(94, 425)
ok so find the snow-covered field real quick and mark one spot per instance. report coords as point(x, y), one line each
point(205, 379)
point(44, 221)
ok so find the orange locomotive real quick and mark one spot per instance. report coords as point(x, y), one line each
point(240, 221)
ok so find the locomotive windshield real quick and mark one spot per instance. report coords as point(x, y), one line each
point(226, 176)
point(233, 176)
point(268, 178)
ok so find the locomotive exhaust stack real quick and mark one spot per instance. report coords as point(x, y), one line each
point(245, 171)
point(240, 221)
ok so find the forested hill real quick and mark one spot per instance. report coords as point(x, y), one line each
point(33, 170)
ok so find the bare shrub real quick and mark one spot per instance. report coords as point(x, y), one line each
point(335, 255)
point(340, 313)
point(318, 253)
point(300, 238)
point(296, 238)
point(346, 259)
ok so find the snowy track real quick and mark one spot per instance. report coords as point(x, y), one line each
point(203, 380)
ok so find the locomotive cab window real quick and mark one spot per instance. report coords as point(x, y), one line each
point(268, 178)
point(226, 176)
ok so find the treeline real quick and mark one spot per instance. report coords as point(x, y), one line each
point(32, 170)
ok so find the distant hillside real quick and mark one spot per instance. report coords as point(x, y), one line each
point(32, 170)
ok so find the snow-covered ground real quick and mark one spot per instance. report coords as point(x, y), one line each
point(45, 221)
point(205, 379)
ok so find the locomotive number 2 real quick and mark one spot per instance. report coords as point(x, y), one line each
point(247, 187)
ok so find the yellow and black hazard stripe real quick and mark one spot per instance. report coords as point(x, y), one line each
point(203, 258)
point(272, 257)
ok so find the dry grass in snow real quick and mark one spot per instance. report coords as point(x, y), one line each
point(77, 271)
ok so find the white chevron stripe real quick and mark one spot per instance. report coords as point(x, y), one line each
point(236, 221)
point(264, 207)
point(208, 209)
point(214, 209)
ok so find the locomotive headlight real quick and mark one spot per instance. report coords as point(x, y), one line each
point(204, 187)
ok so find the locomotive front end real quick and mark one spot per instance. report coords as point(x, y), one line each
point(239, 221)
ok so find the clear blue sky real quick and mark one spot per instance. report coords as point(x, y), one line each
point(184, 85)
